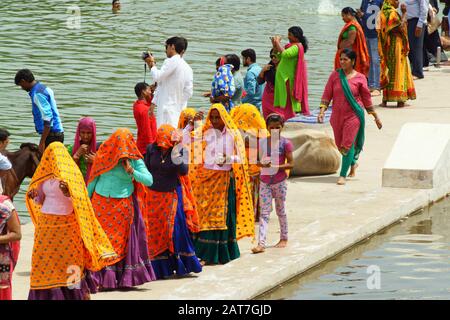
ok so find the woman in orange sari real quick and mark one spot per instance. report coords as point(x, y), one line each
point(68, 240)
point(352, 37)
point(171, 218)
point(117, 190)
point(393, 46)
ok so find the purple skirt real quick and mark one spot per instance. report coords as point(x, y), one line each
point(62, 293)
point(135, 269)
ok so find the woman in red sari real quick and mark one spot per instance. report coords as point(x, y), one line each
point(172, 217)
point(350, 94)
point(352, 37)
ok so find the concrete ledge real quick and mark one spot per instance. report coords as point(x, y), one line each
point(420, 158)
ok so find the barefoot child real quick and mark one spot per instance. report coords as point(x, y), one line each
point(273, 180)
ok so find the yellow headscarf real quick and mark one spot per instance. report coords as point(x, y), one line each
point(245, 224)
point(248, 118)
point(186, 113)
point(57, 163)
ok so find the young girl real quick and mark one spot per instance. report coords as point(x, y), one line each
point(10, 234)
point(273, 180)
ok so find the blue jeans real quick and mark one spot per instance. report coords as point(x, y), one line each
point(374, 72)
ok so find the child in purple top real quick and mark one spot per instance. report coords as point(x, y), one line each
point(276, 157)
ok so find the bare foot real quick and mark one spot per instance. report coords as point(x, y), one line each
point(281, 244)
point(352, 173)
point(258, 249)
point(341, 181)
point(375, 93)
point(202, 263)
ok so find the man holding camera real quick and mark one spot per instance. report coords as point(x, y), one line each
point(174, 82)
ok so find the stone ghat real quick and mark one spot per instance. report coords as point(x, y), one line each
point(324, 218)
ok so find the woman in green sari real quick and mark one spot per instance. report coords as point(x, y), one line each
point(291, 80)
point(350, 94)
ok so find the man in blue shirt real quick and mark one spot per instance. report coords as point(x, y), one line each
point(45, 112)
point(368, 14)
point(251, 86)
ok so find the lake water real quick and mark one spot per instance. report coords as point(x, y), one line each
point(412, 259)
point(93, 69)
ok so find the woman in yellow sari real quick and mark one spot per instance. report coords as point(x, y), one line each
point(396, 78)
point(221, 187)
point(249, 121)
point(68, 239)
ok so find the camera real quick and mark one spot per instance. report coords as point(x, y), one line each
point(146, 54)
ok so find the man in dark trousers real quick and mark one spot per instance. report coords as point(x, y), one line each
point(417, 13)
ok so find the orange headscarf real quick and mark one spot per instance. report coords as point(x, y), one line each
point(118, 146)
point(359, 46)
point(164, 136)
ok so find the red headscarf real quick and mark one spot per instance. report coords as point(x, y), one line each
point(87, 124)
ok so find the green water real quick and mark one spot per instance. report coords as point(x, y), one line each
point(412, 258)
point(93, 69)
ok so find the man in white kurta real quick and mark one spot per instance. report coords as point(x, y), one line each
point(174, 83)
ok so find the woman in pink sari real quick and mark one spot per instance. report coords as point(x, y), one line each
point(85, 146)
point(291, 79)
point(10, 236)
point(349, 92)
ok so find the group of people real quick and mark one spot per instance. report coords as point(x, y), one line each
point(393, 43)
point(124, 212)
point(281, 86)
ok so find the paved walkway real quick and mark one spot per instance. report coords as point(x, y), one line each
point(324, 219)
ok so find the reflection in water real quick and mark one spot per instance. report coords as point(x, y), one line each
point(412, 257)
